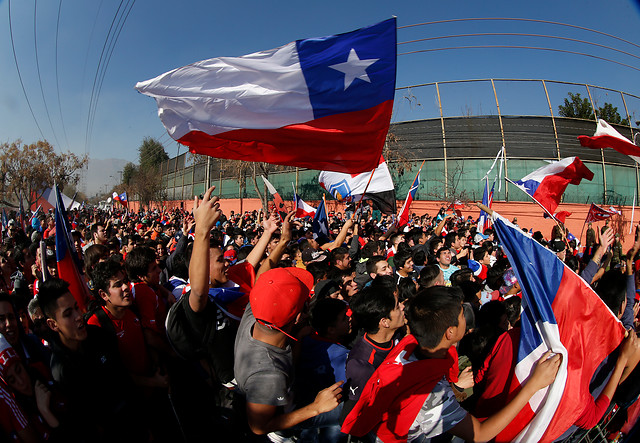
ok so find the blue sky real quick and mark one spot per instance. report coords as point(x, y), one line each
point(160, 35)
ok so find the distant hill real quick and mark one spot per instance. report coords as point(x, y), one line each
point(101, 172)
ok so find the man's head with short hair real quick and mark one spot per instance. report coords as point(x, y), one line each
point(377, 265)
point(372, 309)
point(431, 275)
point(111, 284)
point(98, 233)
point(329, 318)
point(612, 289)
point(434, 315)
point(340, 258)
point(62, 312)
point(139, 263)
point(443, 256)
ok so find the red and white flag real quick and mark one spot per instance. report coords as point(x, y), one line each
point(304, 209)
point(547, 184)
point(597, 213)
point(319, 103)
point(607, 137)
point(351, 187)
point(277, 200)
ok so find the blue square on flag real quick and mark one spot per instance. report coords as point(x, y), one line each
point(352, 71)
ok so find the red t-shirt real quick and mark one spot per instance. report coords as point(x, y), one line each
point(151, 308)
point(130, 341)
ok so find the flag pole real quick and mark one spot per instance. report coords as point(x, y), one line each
point(545, 210)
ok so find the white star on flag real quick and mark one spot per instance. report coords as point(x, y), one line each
point(354, 68)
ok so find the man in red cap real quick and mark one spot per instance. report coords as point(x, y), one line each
point(263, 360)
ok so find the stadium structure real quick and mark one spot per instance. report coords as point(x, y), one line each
point(458, 127)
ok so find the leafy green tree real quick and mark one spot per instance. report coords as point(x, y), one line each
point(610, 114)
point(151, 154)
point(128, 173)
point(576, 107)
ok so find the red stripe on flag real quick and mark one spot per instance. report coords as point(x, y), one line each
point(319, 144)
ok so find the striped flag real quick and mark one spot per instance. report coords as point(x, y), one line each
point(550, 320)
point(403, 216)
point(303, 209)
point(277, 200)
point(68, 263)
point(607, 137)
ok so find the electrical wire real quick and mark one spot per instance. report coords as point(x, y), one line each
point(15, 60)
point(517, 34)
point(35, 45)
point(522, 20)
point(95, 78)
point(520, 47)
point(114, 41)
point(64, 129)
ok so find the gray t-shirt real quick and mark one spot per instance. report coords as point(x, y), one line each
point(264, 373)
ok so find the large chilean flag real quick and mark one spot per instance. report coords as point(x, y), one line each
point(320, 103)
point(68, 263)
point(562, 313)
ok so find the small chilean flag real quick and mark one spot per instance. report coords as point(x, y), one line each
point(321, 103)
point(303, 209)
point(403, 216)
point(547, 184)
point(607, 137)
point(68, 263)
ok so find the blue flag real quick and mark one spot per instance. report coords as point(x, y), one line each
point(320, 224)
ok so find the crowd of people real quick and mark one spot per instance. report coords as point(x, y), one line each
point(204, 326)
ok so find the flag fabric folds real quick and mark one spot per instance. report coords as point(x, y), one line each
point(403, 216)
point(123, 199)
point(351, 187)
point(484, 221)
point(597, 213)
point(320, 223)
point(277, 200)
point(547, 184)
point(303, 209)
point(68, 263)
point(319, 103)
point(607, 137)
point(562, 313)
point(115, 196)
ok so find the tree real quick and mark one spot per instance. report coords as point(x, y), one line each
point(151, 154)
point(610, 114)
point(28, 170)
point(577, 107)
point(128, 173)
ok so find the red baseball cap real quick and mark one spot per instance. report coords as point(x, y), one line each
point(279, 295)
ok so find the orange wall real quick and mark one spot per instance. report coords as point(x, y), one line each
point(528, 213)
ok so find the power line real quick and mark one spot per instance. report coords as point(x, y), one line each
point(35, 45)
point(520, 47)
point(15, 59)
point(64, 129)
point(517, 34)
point(95, 78)
point(523, 20)
point(114, 41)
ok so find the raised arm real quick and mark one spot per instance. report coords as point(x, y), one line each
point(206, 214)
point(270, 226)
point(340, 238)
point(277, 252)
